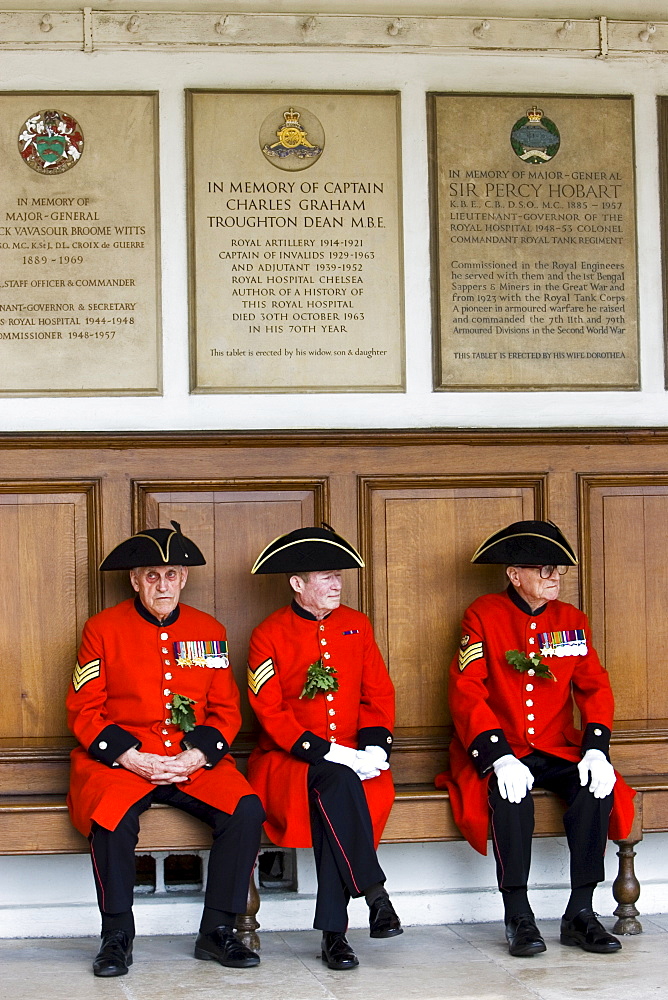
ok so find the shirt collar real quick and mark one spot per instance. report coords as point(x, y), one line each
point(303, 613)
point(520, 603)
point(147, 616)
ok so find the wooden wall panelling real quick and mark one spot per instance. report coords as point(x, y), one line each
point(232, 521)
point(418, 536)
point(624, 546)
point(341, 475)
point(49, 538)
point(116, 494)
point(662, 109)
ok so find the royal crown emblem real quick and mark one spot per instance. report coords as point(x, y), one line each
point(293, 150)
point(535, 138)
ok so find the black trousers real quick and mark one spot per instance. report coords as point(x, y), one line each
point(345, 856)
point(236, 841)
point(585, 822)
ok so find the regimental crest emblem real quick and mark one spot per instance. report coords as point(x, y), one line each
point(292, 139)
point(465, 641)
point(534, 138)
point(51, 142)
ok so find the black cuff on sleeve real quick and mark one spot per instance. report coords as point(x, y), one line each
point(310, 747)
point(111, 743)
point(375, 736)
point(210, 741)
point(596, 737)
point(488, 747)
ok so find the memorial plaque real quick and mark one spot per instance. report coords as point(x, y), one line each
point(533, 208)
point(295, 242)
point(79, 267)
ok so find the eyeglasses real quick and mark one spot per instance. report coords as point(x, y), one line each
point(547, 571)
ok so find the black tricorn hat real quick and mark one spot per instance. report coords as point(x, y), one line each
point(308, 550)
point(155, 547)
point(527, 543)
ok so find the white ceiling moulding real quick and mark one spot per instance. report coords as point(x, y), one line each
point(90, 29)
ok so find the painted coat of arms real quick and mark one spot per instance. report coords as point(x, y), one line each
point(51, 141)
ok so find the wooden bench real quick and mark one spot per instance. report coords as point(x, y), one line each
point(38, 823)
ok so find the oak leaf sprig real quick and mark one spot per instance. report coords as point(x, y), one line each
point(319, 677)
point(522, 662)
point(183, 716)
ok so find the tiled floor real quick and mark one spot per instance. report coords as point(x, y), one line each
point(462, 961)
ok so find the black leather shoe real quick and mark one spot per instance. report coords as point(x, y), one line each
point(383, 920)
point(587, 932)
point(115, 955)
point(222, 945)
point(337, 952)
point(523, 936)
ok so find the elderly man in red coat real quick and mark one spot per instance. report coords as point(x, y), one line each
point(524, 657)
point(155, 708)
point(325, 702)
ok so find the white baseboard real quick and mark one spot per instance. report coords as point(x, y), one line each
point(294, 911)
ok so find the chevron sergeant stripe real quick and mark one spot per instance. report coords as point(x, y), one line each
point(467, 656)
point(258, 678)
point(82, 674)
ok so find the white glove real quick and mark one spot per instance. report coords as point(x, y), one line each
point(365, 775)
point(338, 754)
point(369, 764)
point(379, 755)
point(514, 778)
point(603, 776)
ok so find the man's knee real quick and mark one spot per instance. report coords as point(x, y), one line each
point(588, 810)
point(497, 803)
point(329, 776)
point(514, 820)
point(250, 811)
point(334, 780)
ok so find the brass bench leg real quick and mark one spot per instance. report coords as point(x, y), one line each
point(247, 925)
point(626, 890)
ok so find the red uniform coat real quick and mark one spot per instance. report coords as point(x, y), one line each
point(281, 650)
point(120, 697)
point(491, 703)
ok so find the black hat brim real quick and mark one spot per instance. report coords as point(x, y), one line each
point(308, 550)
point(154, 547)
point(530, 543)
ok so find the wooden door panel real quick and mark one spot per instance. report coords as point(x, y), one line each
point(419, 538)
point(624, 546)
point(47, 590)
point(231, 526)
